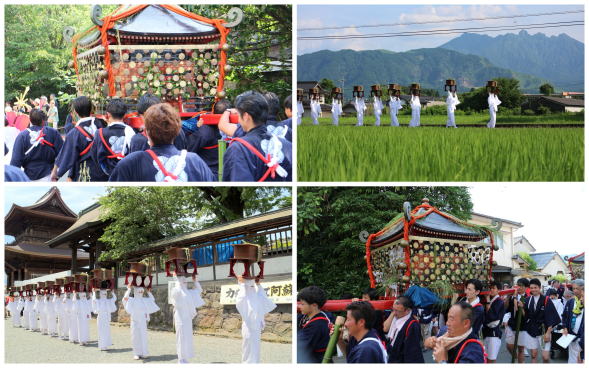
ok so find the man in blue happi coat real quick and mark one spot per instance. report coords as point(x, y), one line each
point(313, 326)
point(573, 321)
point(494, 312)
point(472, 289)
point(363, 345)
point(403, 333)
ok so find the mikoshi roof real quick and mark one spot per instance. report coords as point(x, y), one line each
point(579, 258)
point(426, 220)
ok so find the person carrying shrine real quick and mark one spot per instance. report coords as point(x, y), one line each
point(163, 161)
point(415, 111)
point(139, 308)
point(336, 111)
point(185, 301)
point(103, 307)
point(313, 326)
point(394, 107)
point(539, 319)
point(36, 148)
point(112, 143)
point(472, 288)
point(20, 306)
point(139, 142)
point(573, 321)
point(457, 342)
point(360, 107)
point(403, 333)
point(51, 315)
point(82, 308)
point(315, 109)
point(263, 153)
point(252, 304)
point(205, 141)
point(511, 313)
point(451, 102)
point(377, 107)
point(13, 309)
point(72, 319)
point(493, 102)
point(28, 313)
point(75, 156)
point(300, 111)
point(62, 315)
point(494, 311)
point(363, 346)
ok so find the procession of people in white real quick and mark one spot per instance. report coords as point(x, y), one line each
point(68, 315)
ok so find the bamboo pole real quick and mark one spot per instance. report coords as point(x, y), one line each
point(222, 148)
point(518, 320)
point(339, 322)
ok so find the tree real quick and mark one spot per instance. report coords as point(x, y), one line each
point(546, 89)
point(140, 215)
point(532, 265)
point(327, 85)
point(331, 221)
point(509, 94)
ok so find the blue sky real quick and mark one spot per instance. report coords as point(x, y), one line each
point(76, 197)
point(354, 15)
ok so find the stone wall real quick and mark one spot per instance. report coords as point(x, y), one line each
point(213, 318)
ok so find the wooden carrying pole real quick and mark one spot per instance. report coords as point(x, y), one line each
point(339, 322)
point(518, 320)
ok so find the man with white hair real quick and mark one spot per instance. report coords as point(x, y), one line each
point(252, 304)
point(139, 307)
point(573, 321)
point(185, 301)
point(103, 307)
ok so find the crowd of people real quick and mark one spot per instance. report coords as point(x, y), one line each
point(165, 148)
point(67, 314)
point(467, 330)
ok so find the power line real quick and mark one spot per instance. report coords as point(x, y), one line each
point(445, 31)
point(442, 21)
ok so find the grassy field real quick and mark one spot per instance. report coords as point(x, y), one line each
point(347, 153)
point(385, 120)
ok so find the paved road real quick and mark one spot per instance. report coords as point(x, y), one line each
point(31, 347)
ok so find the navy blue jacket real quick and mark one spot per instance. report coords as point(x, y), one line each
point(495, 313)
point(472, 352)
point(12, 173)
point(39, 162)
point(76, 143)
point(312, 338)
point(139, 166)
point(544, 315)
point(367, 352)
point(204, 142)
point(114, 135)
point(241, 164)
point(567, 321)
point(287, 123)
point(139, 142)
point(511, 309)
point(406, 348)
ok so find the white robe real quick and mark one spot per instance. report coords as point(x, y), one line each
point(72, 320)
point(360, 106)
point(185, 302)
point(377, 106)
point(494, 103)
point(103, 308)
point(25, 318)
point(82, 308)
point(41, 312)
point(33, 315)
point(451, 102)
point(300, 111)
point(139, 308)
point(315, 111)
point(51, 317)
point(415, 111)
point(336, 111)
point(394, 107)
point(28, 314)
point(252, 304)
point(62, 316)
point(14, 313)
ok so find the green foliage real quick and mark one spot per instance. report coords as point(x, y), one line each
point(528, 112)
point(348, 153)
point(140, 215)
point(544, 110)
point(532, 265)
point(509, 94)
point(331, 221)
point(327, 85)
point(560, 278)
point(546, 89)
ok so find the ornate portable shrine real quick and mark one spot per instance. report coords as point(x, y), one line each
point(178, 262)
point(375, 91)
point(136, 276)
point(492, 87)
point(161, 49)
point(394, 90)
point(577, 266)
point(450, 85)
point(337, 94)
point(300, 94)
point(415, 89)
point(102, 278)
point(248, 254)
point(358, 92)
point(424, 245)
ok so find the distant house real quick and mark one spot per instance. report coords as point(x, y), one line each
point(307, 85)
point(550, 263)
point(555, 104)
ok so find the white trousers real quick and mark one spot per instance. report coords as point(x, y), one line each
point(451, 121)
point(377, 121)
point(360, 116)
point(493, 118)
point(492, 347)
point(335, 118)
point(394, 120)
point(415, 117)
point(574, 351)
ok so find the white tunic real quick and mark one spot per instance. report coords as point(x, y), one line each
point(72, 320)
point(103, 307)
point(451, 102)
point(300, 111)
point(315, 111)
point(62, 316)
point(82, 309)
point(360, 106)
point(336, 111)
point(394, 107)
point(377, 106)
point(14, 313)
point(50, 315)
point(41, 312)
point(415, 111)
point(139, 308)
point(185, 302)
point(494, 103)
point(252, 304)
point(28, 314)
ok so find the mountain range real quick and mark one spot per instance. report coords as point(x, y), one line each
point(469, 59)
